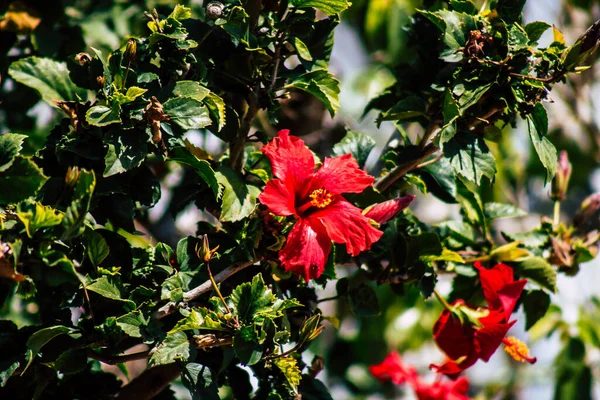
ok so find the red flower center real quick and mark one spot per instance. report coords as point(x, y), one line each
point(319, 198)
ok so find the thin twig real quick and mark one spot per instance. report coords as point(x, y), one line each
point(236, 148)
point(196, 292)
point(400, 170)
point(114, 360)
point(216, 288)
point(429, 162)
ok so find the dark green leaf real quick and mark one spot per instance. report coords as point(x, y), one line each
point(510, 10)
point(537, 124)
point(40, 338)
point(74, 219)
point(501, 210)
point(198, 379)
point(175, 347)
point(97, 248)
point(239, 198)
point(535, 304)
point(50, 78)
point(126, 150)
point(202, 168)
point(20, 181)
point(10, 147)
point(356, 143)
point(253, 299)
point(363, 300)
point(329, 7)
point(36, 216)
point(103, 115)
point(573, 375)
point(187, 112)
point(470, 157)
point(111, 288)
point(535, 30)
point(321, 84)
point(538, 270)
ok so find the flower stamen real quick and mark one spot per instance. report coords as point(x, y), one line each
point(517, 350)
point(321, 198)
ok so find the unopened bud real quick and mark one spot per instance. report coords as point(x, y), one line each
point(203, 251)
point(214, 10)
point(72, 176)
point(588, 212)
point(130, 50)
point(83, 58)
point(560, 183)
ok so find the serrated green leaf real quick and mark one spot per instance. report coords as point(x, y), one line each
point(510, 10)
point(251, 300)
point(188, 113)
point(133, 323)
point(198, 379)
point(447, 255)
point(406, 108)
point(535, 305)
point(356, 143)
point(191, 89)
point(535, 30)
point(202, 168)
point(329, 7)
point(540, 271)
point(175, 347)
point(10, 147)
point(470, 157)
point(302, 49)
point(36, 216)
point(239, 198)
point(537, 124)
point(321, 84)
point(101, 115)
point(200, 318)
point(40, 338)
point(217, 109)
point(50, 78)
point(127, 149)
point(501, 210)
point(20, 181)
point(289, 367)
point(111, 288)
point(73, 221)
point(97, 248)
point(471, 204)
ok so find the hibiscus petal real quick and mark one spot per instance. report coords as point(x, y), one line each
point(341, 175)
point(346, 224)
point(392, 368)
point(290, 158)
point(452, 337)
point(279, 197)
point(490, 337)
point(383, 212)
point(306, 250)
point(509, 295)
point(493, 280)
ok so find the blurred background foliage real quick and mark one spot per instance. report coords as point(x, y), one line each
point(369, 44)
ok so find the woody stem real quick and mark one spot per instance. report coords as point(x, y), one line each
point(446, 305)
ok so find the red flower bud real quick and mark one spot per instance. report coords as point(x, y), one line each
point(560, 183)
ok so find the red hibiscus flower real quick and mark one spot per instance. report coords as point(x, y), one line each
point(315, 199)
point(393, 369)
point(467, 335)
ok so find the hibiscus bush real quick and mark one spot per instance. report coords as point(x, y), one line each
point(181, 215)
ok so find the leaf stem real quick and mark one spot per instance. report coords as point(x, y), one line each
point(399, 171)
point(446, 305)
point(556, 219)
point(216, 288)
point(114, 360)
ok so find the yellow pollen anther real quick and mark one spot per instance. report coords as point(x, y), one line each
point(517, 349)
point(321, 198)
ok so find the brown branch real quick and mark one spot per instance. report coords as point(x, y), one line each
point(150, 383)
point(236, 147)
point(196, 292)
point(114, 360)
point(401, 170)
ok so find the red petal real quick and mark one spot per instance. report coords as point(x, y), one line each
point(392, 368)
point(383, 212)
point(490, 337)
point(509, 295)
point(452, 338)
point(346, 224)
point(493, 280)
point(306, 250)
point(290, 159)
point(279, 197)
point(341, 175)
point(451, 369)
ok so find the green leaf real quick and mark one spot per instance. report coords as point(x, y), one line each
point(111, 288)
point(329, 7)
point(181, 13)
point(313, 389)
point(517, 38)
point(471, 204)
point(356, 143)
point(302, 49)
point(535, 30)
point(187, 112)
point(8, 372)
point(175, 347)
point(537, 124)
point(201, 167)
point(535, 304)
point(447, 255)
point(251, 300)
point(73, 221)
point(289, 367)
point(247, 350)
point(538, 270)
point(40, 338)
point(457, 27)
point(510, 10)
point(239, 198)
point(133, 323)
point(200, 318)
point(440, 180)
point(97, 248)
point(103, 115)
point(321, 84)
point(198, 379)
point(10, 147)
point(470, 157)
point(50, 78)
point(190, 89)
point(127, 149)
point(20, 181)
point(217, 109)
point(406, 108)
point(363, 300)
point(465, 6)
point(573, 375)
point(36, 216)
point(501, 210)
